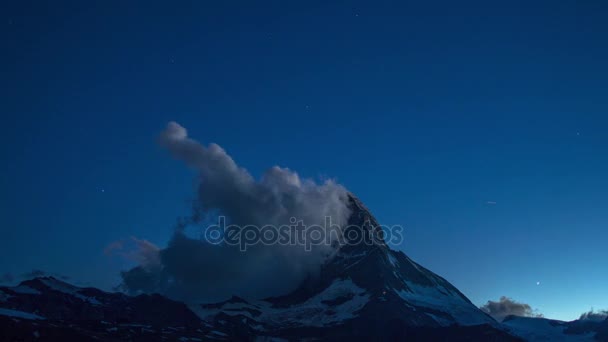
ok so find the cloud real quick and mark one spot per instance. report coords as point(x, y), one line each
point(114, 247)
point(506, 307)
point(595, 316)
point(192, 270)
point(141, 251)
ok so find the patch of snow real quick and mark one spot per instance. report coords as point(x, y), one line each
point(360, 259)
point(314, 312)
point(355, 255)
point(442, 321)
point(416, 266)
point(258, 327)
point(24, 289)
point(129, 325)
point(231, 309)
point(440, 299)
point(218, 333)
point(174, 328)
point(19, 314)
point(69, 289)
point(393, 259)
point(541, 329)
point(270, 339)
point(4, 296)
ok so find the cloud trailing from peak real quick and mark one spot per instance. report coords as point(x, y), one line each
point(506, 306)
point(193, 270)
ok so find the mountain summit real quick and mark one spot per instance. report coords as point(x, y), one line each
point(365, 289)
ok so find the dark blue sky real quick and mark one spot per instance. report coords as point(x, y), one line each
point(426, 112)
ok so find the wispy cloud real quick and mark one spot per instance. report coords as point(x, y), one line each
point(506, 306)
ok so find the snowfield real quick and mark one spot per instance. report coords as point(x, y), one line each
point(338, 302)
point(440, 299)
point(68, 289)
point(542, 329)
point(19, 314)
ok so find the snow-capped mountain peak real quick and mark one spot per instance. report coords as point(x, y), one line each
point(361, 284)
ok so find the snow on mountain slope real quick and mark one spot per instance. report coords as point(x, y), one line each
point(69, 289)
point(338, 302)
point(436, 298)
point(18, 314)
point(361, 282)
point(24, 289)
point(542, 329)
point(4, 296)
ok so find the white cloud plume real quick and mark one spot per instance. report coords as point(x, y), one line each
point(191, 269)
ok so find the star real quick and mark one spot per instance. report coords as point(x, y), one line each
point(537, 283)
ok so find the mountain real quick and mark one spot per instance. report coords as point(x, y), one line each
point(51, 309)
point(543, 329)
point(602, 331)
point(366, 291)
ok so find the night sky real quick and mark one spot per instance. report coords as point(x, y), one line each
point(481, 127)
